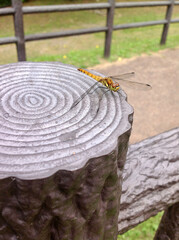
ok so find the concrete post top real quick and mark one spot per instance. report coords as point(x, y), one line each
point(41, 133)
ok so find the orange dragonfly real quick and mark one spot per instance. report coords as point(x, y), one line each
point(112, 83)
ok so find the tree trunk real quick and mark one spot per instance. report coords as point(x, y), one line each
point(60, 167)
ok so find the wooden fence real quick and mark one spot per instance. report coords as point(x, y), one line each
point(19, 39)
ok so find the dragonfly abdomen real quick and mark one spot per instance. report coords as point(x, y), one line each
point(97, 78)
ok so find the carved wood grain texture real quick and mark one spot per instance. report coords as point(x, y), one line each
point(150, 179)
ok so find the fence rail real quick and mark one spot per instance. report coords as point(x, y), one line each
point(17, 10)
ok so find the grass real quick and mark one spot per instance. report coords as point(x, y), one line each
point(82, 58)
point(87, 50)
point(145, 230)
point(125, 46)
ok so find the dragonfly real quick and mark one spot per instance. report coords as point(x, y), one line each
point(112, 83)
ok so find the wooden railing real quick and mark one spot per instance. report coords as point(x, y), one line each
point(64, 173)
point(19, 39)
point(151, 184)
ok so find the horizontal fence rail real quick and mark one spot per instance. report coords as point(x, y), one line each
point(65, 8)
point(139, 24)
point(144, 4)
point(17, 11)
point(85, 6)
point(41, 36)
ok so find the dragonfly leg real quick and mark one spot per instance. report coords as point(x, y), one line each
point(104, 93)
point(101, 96)
point(96, 89)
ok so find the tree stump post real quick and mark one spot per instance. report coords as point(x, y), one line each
point(60, 167)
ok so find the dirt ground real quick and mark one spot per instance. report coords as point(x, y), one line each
point(157, 110)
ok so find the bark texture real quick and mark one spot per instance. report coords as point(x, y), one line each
point(169, 225)
point(82, 204)
point(151, 181)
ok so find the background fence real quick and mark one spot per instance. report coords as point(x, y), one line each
point(17, 10)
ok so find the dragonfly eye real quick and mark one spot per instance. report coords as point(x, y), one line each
point(115, 85)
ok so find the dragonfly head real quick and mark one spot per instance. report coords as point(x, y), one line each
point(115, 87)
point(108, 82)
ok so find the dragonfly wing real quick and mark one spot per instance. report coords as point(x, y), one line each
point(131, 84)
point(83, 95)
point(124, 75)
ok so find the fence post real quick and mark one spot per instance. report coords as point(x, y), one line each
point(169, 224)
point(166, 25)
point(19, 29)
point(108, 34)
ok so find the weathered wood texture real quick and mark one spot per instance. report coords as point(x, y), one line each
point(60, 168)
point(169, 225)
point(82, 204)
point(151, 180)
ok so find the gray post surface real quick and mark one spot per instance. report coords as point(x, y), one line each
point(150, 182)
point(19, 29)
point(166, 25)
point(108, 34)
point(60, 167)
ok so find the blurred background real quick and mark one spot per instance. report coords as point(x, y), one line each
point(136, 49)
point(87, 50)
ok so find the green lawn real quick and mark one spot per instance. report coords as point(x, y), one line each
point(87, 50)
point(144, 231)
